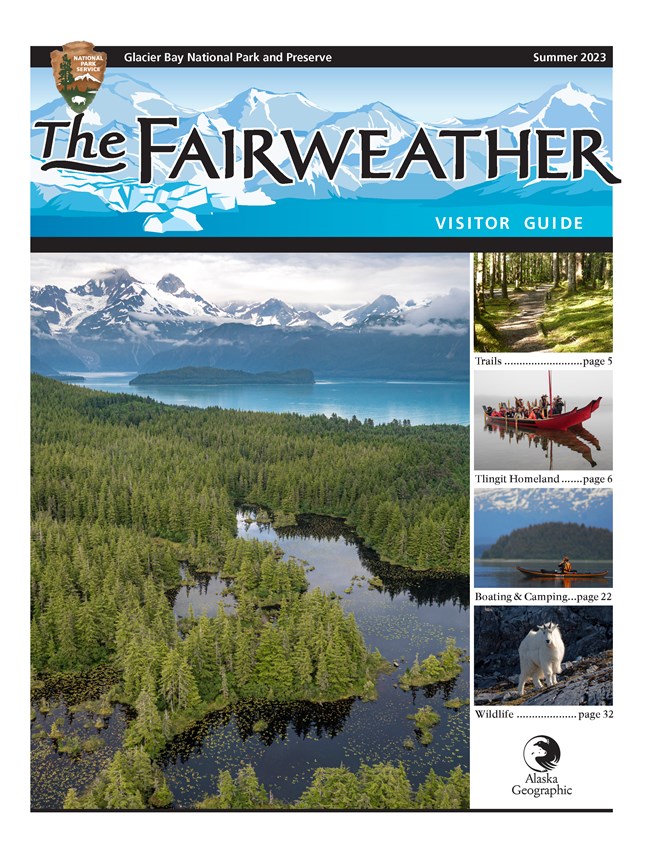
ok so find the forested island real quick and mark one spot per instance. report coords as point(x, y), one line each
point(217, 376)
point(433, 669)
point(126, 490)
point(551, 540)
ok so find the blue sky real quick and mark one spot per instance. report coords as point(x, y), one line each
point(500, 511)
point(423, 94)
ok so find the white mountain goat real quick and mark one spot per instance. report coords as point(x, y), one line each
point(540, 655)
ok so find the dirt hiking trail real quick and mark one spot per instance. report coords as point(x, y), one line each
point(521, 333)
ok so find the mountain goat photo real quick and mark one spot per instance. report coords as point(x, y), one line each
point(569, 651)
point(540, 656)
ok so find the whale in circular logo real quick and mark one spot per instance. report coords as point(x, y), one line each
point(78, 73)
point(542, 753)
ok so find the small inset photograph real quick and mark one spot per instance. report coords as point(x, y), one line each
point(542, 420)
point(543, 302)
point(543, 538)
point(543, 655)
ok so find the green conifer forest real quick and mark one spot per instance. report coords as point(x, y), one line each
point(125, 490)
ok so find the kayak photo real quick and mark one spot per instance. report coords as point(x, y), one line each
point(548, 538)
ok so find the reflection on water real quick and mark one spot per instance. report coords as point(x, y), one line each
point(303, 719)
point(538, 449)
point(503, 573)
point(421, 587)
point(61, 719)
point(411, 614)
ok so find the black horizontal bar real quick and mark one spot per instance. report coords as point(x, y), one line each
point(556, 56)
point(71, 245)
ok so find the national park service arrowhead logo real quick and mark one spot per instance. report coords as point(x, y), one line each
point(78, 73)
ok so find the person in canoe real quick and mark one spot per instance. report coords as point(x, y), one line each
point(543, 403)
point(558, 405)
point(565, 565)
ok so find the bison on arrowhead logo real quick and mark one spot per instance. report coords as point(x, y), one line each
point(78, 73)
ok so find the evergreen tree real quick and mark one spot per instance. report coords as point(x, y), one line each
point(385, 786)
point(66, 77)
point(147, 728)
point(332, 788)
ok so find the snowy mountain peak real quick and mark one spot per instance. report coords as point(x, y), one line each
point(51, 301)
point(171, 284)
point(105, 285)
point(273, 110)
point(573, 95)
point(273, 312)
point(274, 305)
point(451, 121)
point(259, 95)
point(386, 300)
point(384, 308)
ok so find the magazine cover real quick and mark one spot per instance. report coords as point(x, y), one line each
point(321, 411)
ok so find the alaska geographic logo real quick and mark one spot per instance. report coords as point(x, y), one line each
point(542, 753)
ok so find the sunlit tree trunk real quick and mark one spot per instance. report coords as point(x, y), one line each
point(579, 269)
point(492, 267)
point(556, 269)
point(571, 273)
point(607, 273)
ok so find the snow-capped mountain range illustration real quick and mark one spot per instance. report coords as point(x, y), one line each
point(182, 204)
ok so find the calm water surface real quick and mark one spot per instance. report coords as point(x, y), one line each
point(53, 774)
point(419, 402)
point(500, 573)
point(411, 615)
point(582, 448)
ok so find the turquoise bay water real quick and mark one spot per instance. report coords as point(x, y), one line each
point(383, 401)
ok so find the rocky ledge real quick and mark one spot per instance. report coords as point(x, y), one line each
point(584, 681)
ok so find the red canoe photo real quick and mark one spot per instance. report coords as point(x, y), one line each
point(572, 418)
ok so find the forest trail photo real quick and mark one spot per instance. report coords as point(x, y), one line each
point(543, 302)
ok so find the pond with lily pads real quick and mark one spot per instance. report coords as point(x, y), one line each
point(400, 612)
point(76, 732)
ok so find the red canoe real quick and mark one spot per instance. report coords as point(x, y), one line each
point(564, 421)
